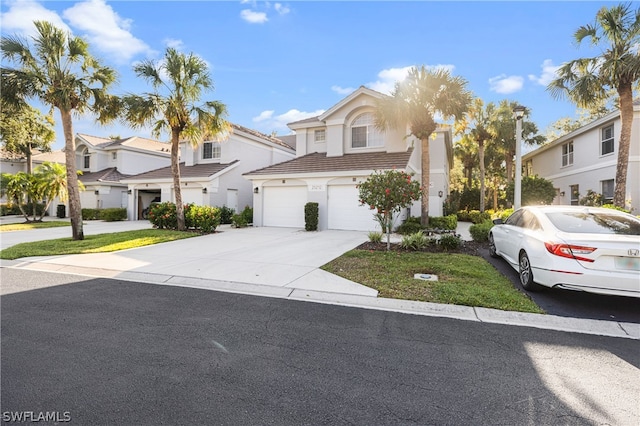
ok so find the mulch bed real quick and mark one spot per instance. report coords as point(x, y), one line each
point(472, 248)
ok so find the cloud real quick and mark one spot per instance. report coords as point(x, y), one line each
point(20, 16)
point(548, 73)
point(282, 10)
point(267, 122)
point(506, 85)
point(253, 17)
point(388, 78)
point(342, 90)
point(105, 29)
point(174, 43)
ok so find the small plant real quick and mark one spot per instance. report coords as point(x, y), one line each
point(450, 242)
point(410, 226)
point(416, 241)
point(311, 216)
point(375, 237)
point(243, 219)
point(203, 218)
point(444, 222)
point(226, 214)
point(480, 231)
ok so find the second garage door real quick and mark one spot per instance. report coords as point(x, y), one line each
point(345, 211)
point(284, 206)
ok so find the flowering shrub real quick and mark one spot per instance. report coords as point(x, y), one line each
point(163, 215)
point(202, 218)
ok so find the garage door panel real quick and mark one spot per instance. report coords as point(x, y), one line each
point(284, 206)
point(345, 211)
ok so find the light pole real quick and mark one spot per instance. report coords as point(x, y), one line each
point(518, 113)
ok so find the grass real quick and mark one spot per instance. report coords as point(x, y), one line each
point(100, 243)
point(33, 225)
point(462, 279)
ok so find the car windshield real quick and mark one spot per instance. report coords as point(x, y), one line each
point(595, 223)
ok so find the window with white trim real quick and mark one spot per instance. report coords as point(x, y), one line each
point(606, 144)
point(567, 154)
point(211, 150)
point(114, 155)
point(364, 133)
point(86, 159)
point(607, 191)
point(319, 135)
point(575, 194)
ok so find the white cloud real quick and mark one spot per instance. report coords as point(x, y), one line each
point(105, 29)
point(174, 43)
point(282, 10)
point(389, 77)
point(342, 90)
point(548, 73)
point(20, 16)
point(506, 85)
point(268, 122)
point(253, 17)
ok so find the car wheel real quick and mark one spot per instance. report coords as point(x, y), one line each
point(492, 247)
point(526, 274)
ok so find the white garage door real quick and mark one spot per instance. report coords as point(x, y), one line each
point(284, 206)
point(345, 211)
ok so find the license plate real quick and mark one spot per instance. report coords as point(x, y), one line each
point(628, 263)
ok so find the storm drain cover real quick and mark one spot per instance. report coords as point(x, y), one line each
point(426, 277)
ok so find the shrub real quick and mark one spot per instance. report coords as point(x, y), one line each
point(243, 219)
point(416, 241)
point(477, 216)
point(203, 218)
point(614, 207)
point(480, 231)
point(463, 216)
point(112, 214)
point(444, 222)
point(163, 215)
point(91, 214)
point(375, 237)
point(450, 242)
point(226, 214)
point(534, 190)
point(311, 216)
point(505, 214)
point(410, 226)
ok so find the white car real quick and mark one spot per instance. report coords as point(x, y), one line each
point(591, 249)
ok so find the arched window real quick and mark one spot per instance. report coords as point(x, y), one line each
point(86, 159)
point(363, 132)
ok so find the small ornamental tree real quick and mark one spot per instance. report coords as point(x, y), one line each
point(387, 192)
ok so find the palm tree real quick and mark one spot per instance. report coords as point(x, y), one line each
point(586, 80)
point(178, 81)
point(414, 103)
point(466, 150)
point(50, 183)
point(61, 73)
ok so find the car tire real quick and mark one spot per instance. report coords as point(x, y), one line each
point(492, 248)
point(526, 274)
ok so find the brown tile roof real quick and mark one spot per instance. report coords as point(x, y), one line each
point(272, 139)
point(107, 175)
point(195, 171)
point(289, 140)
point(52, 157)
point(142, 143)
point(319, 162)
point(10, 156)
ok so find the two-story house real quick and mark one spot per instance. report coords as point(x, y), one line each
point(210, 173)
point(586, 159)
point(334, 152)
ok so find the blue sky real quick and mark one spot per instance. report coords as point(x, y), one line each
point(277, 62)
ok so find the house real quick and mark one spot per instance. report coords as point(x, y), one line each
point(211, 173)
point(586, 159)
point(334, 152)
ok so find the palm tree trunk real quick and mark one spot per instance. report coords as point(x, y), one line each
point(426, 172)
point(75, 209)
point(626, 117)
point(509, 164)
point(175, 171)
point(482, 184)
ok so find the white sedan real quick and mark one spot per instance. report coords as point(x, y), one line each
point(591, 249)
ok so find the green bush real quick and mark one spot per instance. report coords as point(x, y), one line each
point(450, 242)
point(477, 216)
point(444, 222)
point(311, 216)
point(243, 219)
point(203, 218)
point(410, 226)
point(163, 215)
point(614, 207)
point(113, 214)
point(226, 215)
point(505, 214)
point(480, 231)
point(91, 214)
point(375, 237)
point(416, 241)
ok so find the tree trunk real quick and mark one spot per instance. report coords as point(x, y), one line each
point(75, 209)
point(509, 165)
point(175, 171)
point(626, 117)
point(426, 175)
point(482, 184)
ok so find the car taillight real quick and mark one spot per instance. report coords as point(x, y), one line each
point(570, 251)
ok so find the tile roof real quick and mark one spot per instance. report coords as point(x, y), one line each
point(195, 171)
point(272, 139)
point(289, 140)
point(107, 175)
point(318, 162)
point(52, 157)
point(10, 156)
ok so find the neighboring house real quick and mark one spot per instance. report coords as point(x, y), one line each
point(335, 151)
point(211, 173)
point(586, 159)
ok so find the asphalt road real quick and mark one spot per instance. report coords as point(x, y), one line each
point(105, 351)
point(575, 304)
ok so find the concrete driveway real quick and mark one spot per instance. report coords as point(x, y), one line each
point(282, 258)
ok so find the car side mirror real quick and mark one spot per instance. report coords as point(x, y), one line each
point(497, 221)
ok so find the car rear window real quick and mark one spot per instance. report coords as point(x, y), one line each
point(595, 223)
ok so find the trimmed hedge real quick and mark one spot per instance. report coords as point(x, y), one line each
point(13, 209)
point(113, 214)
point(311, 216)
point(444, 222)
point(480, 231)
point(90, 214)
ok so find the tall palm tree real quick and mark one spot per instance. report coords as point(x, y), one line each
point(414, 103)
point(179, 81)
point(586, 80)
point(60, 72)
point(466, 150)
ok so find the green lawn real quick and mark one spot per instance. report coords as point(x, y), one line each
point(462, 279)
point(34, 225)
point(94, 243)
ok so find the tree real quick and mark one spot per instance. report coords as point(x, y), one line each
point(387, 192)
point(466, 150)
point(535, 190)
point(61, 73)
point(179, 81)
point(23, 128)
point(414, 103)
point(586, 81)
